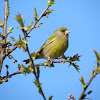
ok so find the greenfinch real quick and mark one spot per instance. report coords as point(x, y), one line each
point(55, 46)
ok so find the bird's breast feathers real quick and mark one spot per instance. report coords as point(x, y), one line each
point(56, 48)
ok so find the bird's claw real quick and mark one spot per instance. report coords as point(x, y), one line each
point(50, 61)
point(62, 60)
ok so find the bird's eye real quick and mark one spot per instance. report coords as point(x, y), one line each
point(63, 30)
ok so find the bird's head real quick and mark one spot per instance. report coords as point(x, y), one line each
point(62, 31)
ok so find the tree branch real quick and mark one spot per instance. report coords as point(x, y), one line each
point(32, 65)
point(21, 70)
point(4, 34)
point(91, 79)
point(36, 22)
point(6, 54)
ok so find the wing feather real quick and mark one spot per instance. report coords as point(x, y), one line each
point(50, 40)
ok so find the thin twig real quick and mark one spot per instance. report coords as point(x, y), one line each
point(13, 74)
point(4, 34)
point(43, 64)
point(36, 22)
point(34, 71)
point(91, 79)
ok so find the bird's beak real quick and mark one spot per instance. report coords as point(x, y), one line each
point(66, 32)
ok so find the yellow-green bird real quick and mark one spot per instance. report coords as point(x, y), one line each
point(55, 46)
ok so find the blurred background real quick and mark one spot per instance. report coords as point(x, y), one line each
point(82, 18)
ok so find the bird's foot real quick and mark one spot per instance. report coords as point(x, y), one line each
point(50, 60)
point(62, 60)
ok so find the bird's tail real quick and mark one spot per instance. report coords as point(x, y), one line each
point(33, 58)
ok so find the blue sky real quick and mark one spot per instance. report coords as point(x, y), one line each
point(82, 18)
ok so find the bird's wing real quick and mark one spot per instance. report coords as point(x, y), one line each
point(50, 40)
